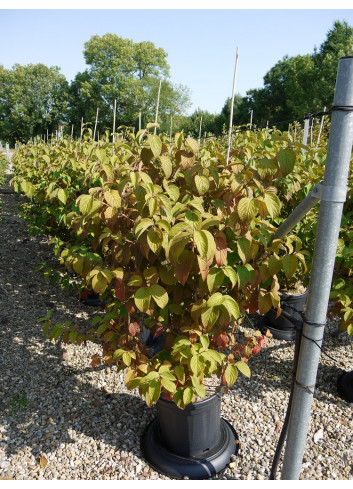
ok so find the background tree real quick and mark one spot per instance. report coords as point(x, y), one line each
point(129, 73)
point(299, 84)
point(33, 98)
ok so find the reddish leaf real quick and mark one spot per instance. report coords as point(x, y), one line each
point(184, 266)
point(158, 331)
point(256, 349)
point(222, 339)
point(43, 461)
point(204, 266)
point(134, 328)
point(221, 249)
point(120, 290)
point(95, 361)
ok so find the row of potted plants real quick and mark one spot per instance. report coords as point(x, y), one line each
point(175, 240)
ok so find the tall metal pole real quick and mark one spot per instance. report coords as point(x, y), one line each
point(333, 196)
point(156, 118)
point(231, 107)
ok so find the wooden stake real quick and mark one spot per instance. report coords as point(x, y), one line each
point(321, 125)
point(95, 125)
point(140, 120)
point(251, 113)
point(156, 118)
point(81, 128)
point(231, 107)
point(114, 121)
point(72, 130)
point(200, 131)
point(171, 127)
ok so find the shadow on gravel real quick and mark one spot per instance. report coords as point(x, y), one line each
point(117, 419)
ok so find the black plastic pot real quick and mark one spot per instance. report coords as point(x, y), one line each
point(194, 442)
point(90, 298)
point(283, 327)
point(345, 386)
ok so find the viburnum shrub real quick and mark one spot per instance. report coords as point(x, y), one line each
point(174, 239)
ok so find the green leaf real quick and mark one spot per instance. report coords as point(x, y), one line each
point(243, 368)
point(112, 197)
point(167, 166)
point(273, 204)
point(154, 390)
point(231, 274)
point(290, 265)
point(99, 283)
point(231, 306)
point(231, 375)
point(169, 385)
point(197, 364)
point(159, 295)
point(188, 395)
point(202, 184)
point(154, 239)
point(247, 209)
point(216, 300)
point(209, 316)
point(142, 225)
point(205, 341)
point(62, 195)
point(286, 158)
point(215, 279)
point(244, 249)
point(193, 144)
point(85, 203)
point(142, 298)
point(155, 143)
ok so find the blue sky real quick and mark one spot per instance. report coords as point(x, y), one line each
point(201, 43)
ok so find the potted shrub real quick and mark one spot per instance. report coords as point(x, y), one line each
point(172, 238)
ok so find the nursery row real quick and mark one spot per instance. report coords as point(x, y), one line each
point(176, 242)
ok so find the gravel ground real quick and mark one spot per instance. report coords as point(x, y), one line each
point(85, 422)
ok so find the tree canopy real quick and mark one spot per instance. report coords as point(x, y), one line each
point(128, 72)
point(33, 98)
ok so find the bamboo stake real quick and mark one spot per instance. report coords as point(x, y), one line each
point(114, 121)
point(200, 131)
point(72, 130)
point(156, 118)
point(171, 127)
point(321, 125)
point(140, 120)
point(251, 114)
point(231, 107)
point(81, 128)
point(95, 125)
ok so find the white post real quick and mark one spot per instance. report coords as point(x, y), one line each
point(95, 125)
point(200, 131)
point(72, 130)
point(251, 114)
point(156, 118)
point(114, 120)
point(306, 131)
point(140, 120)
point(8, 153)
point(231, 106)
point(321, 125)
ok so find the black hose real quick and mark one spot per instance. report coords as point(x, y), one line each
point(284, 430)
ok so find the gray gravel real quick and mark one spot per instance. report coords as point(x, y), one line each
point(85, 422)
